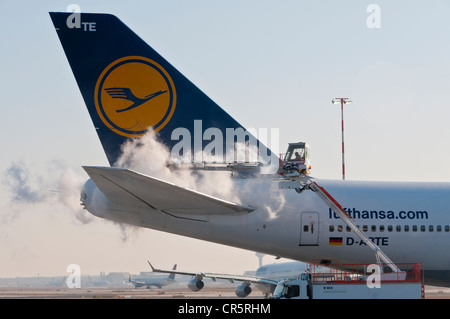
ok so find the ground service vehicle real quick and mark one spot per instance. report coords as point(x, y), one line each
point(355, 282)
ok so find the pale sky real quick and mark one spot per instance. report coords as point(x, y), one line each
point(269, 64)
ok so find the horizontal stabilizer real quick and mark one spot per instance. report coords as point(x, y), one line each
point(126, 187)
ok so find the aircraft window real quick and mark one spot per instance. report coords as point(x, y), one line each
point(406, 227)
point(287, 157)
point(305, 228)
point(365, 228)
point(447, 228)
point(430, 228)
point(293, 291)
point(389, 228)
point(373, 228)
point(439, 228)
point(414, 228)
point(398, 228)
point(381, 228)
point(348, 229)
point(340, 228)
point(422, 228)
point(296, 155)
point(331, 228)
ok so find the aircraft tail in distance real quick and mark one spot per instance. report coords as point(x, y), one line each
point(129, 88)
point(172, 275)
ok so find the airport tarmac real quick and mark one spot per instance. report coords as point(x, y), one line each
point(118, 293)
point(431, 292)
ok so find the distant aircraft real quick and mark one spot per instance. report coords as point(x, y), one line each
point(243, 290)
point(157, 282)
point(409, 221)
point(265, 278)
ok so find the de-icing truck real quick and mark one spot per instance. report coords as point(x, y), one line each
point(355, 282)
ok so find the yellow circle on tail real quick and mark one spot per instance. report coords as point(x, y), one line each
point(134, 94)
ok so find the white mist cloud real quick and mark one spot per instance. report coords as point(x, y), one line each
point(70, 183)
point(148, 156)
point(61, 185)
point(42, 219)
point(18, 180)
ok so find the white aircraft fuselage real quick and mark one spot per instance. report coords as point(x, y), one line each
point(150, 282)
point(408, 221)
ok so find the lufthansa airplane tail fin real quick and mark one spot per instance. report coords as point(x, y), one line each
point(129, 88)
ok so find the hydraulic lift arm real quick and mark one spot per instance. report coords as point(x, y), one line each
point(307, 183)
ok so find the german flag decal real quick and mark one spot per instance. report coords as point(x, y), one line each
point(335, 241)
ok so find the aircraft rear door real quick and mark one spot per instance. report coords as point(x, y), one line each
point(309, 229)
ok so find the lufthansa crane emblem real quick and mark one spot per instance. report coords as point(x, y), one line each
point(134, 94)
